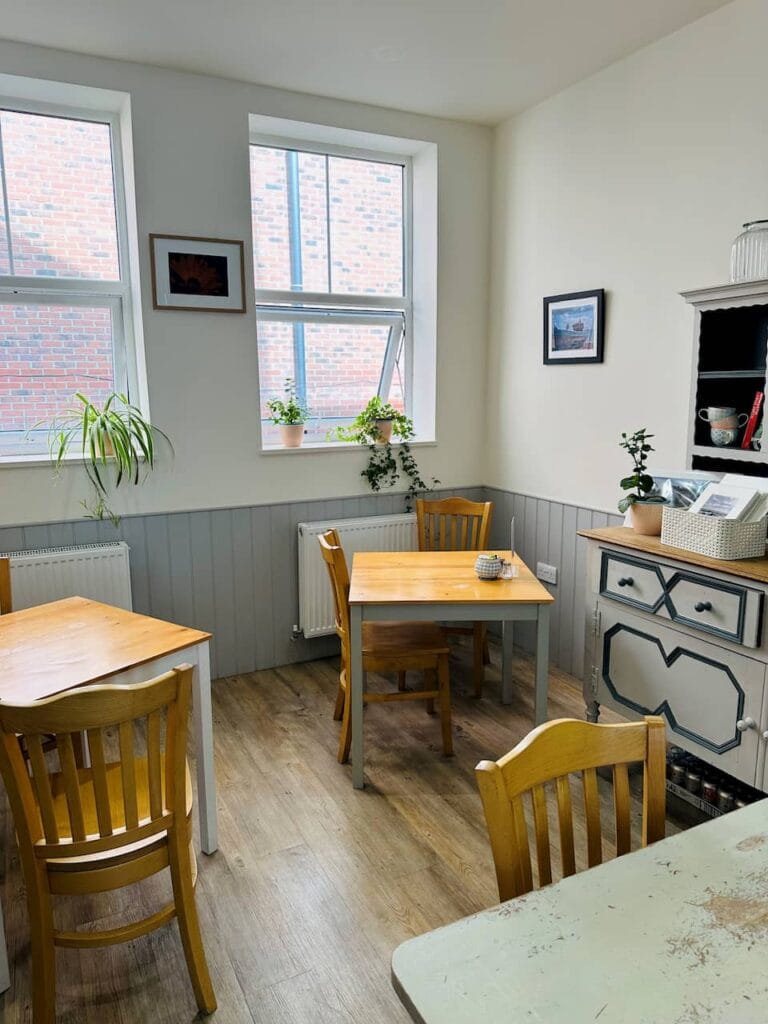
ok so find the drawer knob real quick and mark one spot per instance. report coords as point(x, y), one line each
point(703, 606)
point(626, 581)
point(765, 735)
point(744, 724)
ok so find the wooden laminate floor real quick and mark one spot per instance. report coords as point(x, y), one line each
point(314, 883)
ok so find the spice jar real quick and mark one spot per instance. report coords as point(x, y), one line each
point(692, 781)
point(725, 800)
point(677, 774)
point(709, 791)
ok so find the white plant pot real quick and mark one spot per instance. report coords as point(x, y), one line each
point(293, 434)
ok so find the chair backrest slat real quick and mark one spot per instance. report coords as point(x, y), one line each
point(541, 825)
point(100, 784)
point(523, 848)
point(453, 524)
point(42, 784)
point(85, 820)
point(553, 753)
point(154, 768)
point(128, 774)
point(592, 813)
point(565, 821)
point(621, 806)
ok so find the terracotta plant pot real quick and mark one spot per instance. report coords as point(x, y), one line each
point(384, 428)
point(293, 434)
point(646, 518)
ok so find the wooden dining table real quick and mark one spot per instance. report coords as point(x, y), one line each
point(672, 934)
point(65, 644)
point(442, 586)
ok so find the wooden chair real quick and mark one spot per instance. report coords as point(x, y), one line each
point(100, 828)
point(549, 754)
point(456, 524)
point(387, 647)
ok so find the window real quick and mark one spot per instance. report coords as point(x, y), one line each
point(64, 293)
point(331, 235)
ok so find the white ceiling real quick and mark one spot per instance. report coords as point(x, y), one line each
point(478, 60)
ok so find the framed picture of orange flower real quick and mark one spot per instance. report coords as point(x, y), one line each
point(205, 275)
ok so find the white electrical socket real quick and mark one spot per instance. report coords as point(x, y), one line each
point(547, 573)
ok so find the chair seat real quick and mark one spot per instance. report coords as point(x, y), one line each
point(418, 643)
point(90, 820)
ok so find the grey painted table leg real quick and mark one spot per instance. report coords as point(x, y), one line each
point(542, 665)
point(355, 695)
point(507, 635)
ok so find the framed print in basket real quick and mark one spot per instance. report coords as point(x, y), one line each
point(573, 327)
point(205, 275)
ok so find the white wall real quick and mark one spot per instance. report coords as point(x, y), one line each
point(635, 180)
point(190, 138)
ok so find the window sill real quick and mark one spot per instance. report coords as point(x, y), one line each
point(320, 447)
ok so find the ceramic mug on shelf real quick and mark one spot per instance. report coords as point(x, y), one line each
point(723, 417)
point(724, 437)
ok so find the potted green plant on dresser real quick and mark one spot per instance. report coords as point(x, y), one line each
point(290, 414)
point(645, 506)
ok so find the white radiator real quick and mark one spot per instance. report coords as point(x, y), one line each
point(98, 571)
point(371, 533)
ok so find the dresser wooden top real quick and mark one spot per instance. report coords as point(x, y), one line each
point(749, 568)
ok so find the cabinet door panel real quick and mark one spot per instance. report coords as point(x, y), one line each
point(700, 689)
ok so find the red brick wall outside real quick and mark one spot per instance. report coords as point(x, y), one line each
point(61, 202)
point(365, 199)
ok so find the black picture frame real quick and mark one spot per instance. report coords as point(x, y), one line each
point(582, 310)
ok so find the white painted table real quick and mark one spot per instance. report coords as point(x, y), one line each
point(442, 586)
point(673, 934)
point(65, 644)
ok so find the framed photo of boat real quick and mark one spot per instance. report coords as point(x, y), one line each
point(573, 327)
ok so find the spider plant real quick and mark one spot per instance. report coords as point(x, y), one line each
point(114, 439)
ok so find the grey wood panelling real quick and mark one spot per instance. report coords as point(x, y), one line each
point(546, 531)
point(234, 572)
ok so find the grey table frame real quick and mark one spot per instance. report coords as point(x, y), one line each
point(448, 611)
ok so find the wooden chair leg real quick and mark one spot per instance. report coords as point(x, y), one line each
point(345, 736)
point(486, 649)
point(444, 684)
point(338, 709)
point(430, 680)
point(478, 672)
point(401, 681)
point(179, 854)
point(43, 954)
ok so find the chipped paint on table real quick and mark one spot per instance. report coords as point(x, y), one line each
point(674, 934)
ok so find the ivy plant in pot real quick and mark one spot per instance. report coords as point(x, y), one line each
point(646, 507)
point(290, 414)
point(375, 426)
point(114, 440)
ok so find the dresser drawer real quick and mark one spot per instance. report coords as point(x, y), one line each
point(721, 608)
point(632, 580)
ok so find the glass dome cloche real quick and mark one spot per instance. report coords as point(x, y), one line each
point(749, 253)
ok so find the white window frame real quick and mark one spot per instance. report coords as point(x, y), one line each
point(115, 295)
point(396, 311)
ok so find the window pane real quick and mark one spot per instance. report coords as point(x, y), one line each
point(5, 265)
point(343, 367)
point(61, 196)
point(366, 223)
point(47, 353)
point(298, 198)
point(269, 211)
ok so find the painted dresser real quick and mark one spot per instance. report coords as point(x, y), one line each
point(674, 633)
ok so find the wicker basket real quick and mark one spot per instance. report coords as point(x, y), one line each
point(712, 536)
